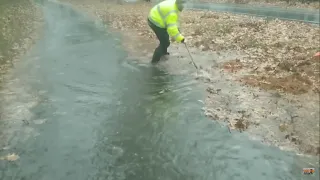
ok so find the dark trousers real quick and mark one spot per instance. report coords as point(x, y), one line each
point(163, 37)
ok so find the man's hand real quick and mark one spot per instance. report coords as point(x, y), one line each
point(182, 41)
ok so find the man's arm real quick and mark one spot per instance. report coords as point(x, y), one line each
point(172, 27)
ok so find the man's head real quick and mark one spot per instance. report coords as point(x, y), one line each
point(180, 4)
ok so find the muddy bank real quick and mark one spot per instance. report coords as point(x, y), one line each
point(260, 74)
point(279, 3)
point(21, 24)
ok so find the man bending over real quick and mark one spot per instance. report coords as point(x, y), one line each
point(163, 20)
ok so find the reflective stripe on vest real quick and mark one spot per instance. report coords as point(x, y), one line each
point(171, 25)
point(154, 22)
point(164, 17)
point(176, 36)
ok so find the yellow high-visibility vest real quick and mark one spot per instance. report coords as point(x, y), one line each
point(166, 15)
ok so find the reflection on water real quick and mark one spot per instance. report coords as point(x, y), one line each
point(273, 12)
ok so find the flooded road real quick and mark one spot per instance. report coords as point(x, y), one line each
point(302, 15)
point(99, 117)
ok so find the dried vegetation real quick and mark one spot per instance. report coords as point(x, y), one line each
point(279, 53)
point(16, 26)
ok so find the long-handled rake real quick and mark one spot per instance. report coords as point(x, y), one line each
point(191, 56)
point(197, 71)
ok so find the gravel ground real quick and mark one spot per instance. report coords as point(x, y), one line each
point(261, 75)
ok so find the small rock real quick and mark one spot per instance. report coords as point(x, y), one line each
point(10, 157)
point(210, 90)
point(283, 127)
point(25, 122)
point(213, 91)
point(294, 139)
point(39, 121)
point(287, 136)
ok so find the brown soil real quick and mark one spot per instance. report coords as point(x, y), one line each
point(270, 54)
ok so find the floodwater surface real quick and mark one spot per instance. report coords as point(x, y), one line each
point(99, 117)
point(303, 15)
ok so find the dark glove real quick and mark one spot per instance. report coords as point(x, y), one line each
point(182, 41)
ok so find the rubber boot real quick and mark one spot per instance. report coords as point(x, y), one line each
point(156, 55)
point(165, 56)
